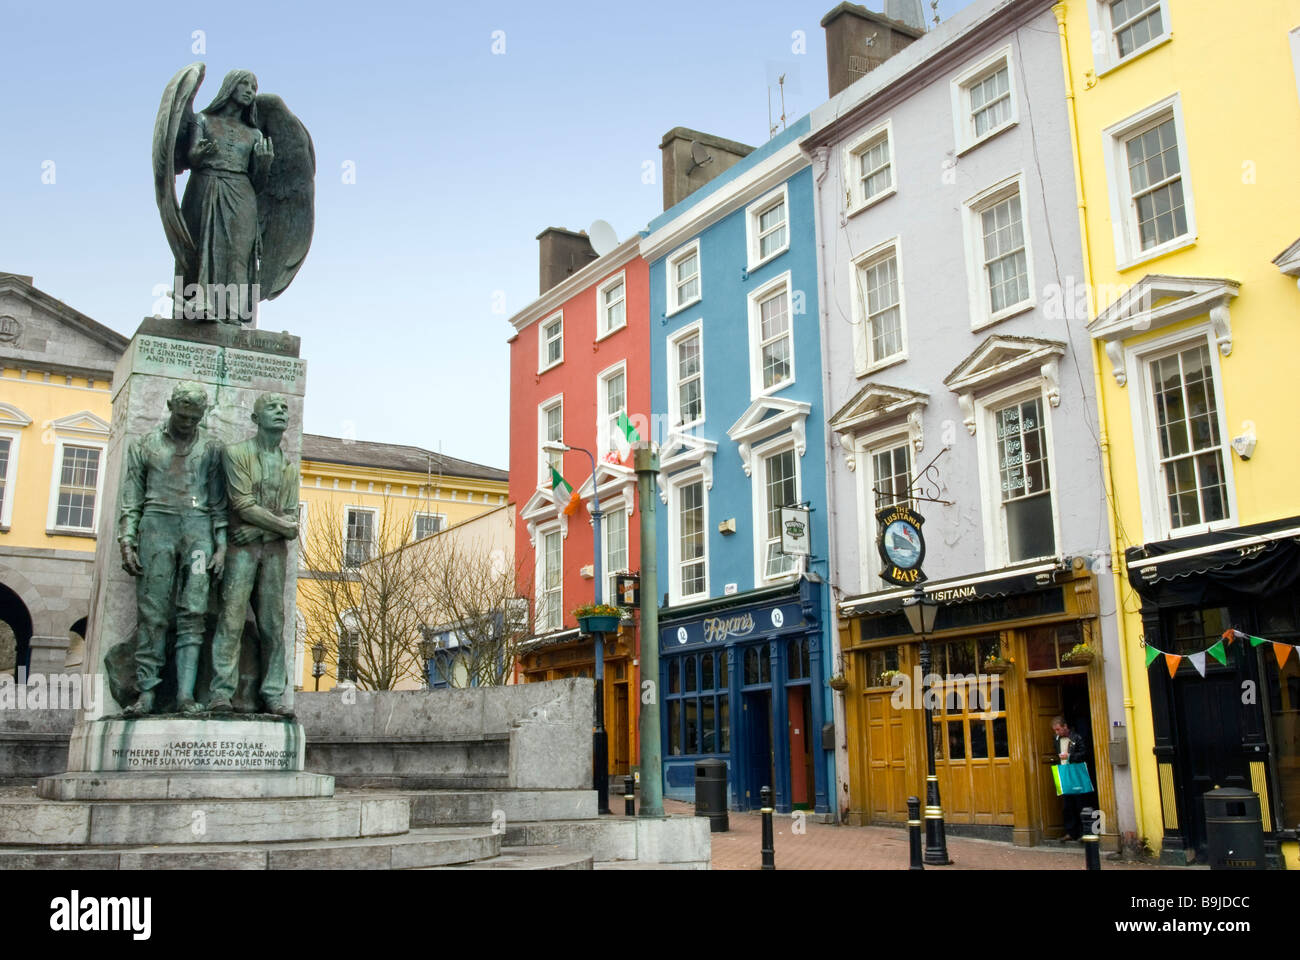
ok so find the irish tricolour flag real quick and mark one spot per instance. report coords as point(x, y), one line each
point(562, 492)
point(624, 436)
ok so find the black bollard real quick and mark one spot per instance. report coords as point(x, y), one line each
point(769, 850)
point(914, 832)
point(1091, 842)
point(629, 797)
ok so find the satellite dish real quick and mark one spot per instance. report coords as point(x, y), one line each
point(602, 236)
point(699, 155)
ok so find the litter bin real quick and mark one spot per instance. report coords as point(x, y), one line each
point(1234, 829)
point(711, 794)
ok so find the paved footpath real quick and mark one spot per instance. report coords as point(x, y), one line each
point(825, 846)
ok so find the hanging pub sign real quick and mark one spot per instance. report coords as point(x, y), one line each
point(794, 532)
point(901, 544)
point(627, 590)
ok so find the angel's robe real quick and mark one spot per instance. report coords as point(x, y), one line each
point(220, 211)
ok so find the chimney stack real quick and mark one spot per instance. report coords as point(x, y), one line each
point(691, 159)
point(563, 253)
point(858, 40)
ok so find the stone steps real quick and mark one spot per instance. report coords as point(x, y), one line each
point(642, 865)
point(417, 850)
point(529, 858)
point(184, 786)
point(447, 807)
point(34, 822)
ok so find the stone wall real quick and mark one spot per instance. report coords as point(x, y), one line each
point(530, 736)
point(34, 743)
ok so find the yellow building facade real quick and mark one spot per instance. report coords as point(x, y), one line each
point(1186, 127)
point(56, 372)
point(358, 499)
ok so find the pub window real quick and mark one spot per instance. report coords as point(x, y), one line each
point(706, 672)
point(698, 714)
point(1046, 646)
point(758, 664)
point(796, 657)
point(675, 728)
point(881, 661)
point(689, 666)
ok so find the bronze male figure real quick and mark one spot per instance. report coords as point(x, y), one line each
point(172, 534)
point(262, 486)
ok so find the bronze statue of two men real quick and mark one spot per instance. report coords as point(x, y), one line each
point(200, 521)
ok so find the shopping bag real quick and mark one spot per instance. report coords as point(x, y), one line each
point(1071, 779)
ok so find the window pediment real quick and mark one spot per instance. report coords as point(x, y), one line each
point(874, 406)
point(1002, 358)
point(540, 509)
point(682, 450)
point(11, 416)
point(1158, 300)
point(84, 424)
point(1288, 261)
point(766, 417)
point(613, 480)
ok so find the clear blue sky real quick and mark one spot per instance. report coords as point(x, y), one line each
point(462, 157)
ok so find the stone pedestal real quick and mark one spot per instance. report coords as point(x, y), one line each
point(234, 366)
point(176, 744)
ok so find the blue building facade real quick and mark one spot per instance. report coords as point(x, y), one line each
point(738, 412)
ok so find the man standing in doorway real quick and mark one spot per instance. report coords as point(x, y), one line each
point(1070, 748)
point(262, 487)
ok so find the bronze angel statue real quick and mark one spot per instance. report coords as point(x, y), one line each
point(244, 225)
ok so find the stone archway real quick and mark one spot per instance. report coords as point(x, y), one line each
point(15, 631)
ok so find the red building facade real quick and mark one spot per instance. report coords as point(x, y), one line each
point(577, 360)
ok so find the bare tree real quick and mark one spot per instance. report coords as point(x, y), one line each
point(362, 599)
point(372, 598)
point(475, 598)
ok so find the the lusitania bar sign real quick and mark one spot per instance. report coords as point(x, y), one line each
point(901, 544)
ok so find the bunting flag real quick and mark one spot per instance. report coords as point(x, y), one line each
point(563, 494)
point(625, 435)
point(1217, 650)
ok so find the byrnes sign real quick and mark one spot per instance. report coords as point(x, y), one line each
point(717, 629)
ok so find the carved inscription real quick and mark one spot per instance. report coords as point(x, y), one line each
point(214, 754)
point(201, 361)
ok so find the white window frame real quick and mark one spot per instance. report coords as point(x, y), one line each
point(543, 341)
point(996, 547)
point(614, 508)
point(415, 522)
point(758, 478)
point(543, 531)
point(695, 329)
point(1105, 48)
point(602, 311)
point(374, 544)
point(675, 486)
point(863, 363)
point(865, 449)
point(544, 458)
point(11, 478)
point(856, 200)
point(982, 314)
point(670, 277)
point(756, 388)
point(1128, 243)
point(56, 476)
point(963, 127)
point(781, 195)
point(1155, 505)
point(603, 413)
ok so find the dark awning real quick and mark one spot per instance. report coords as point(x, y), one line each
point(980, 586)
point(1252, 561)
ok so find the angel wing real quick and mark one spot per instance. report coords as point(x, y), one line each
point(286, 203)
point(170, 136)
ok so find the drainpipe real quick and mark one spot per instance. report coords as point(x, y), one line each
point(821, 167)
point(1103, 435)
